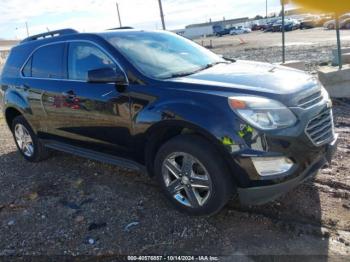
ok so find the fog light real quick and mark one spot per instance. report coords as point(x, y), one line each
point(270, 166)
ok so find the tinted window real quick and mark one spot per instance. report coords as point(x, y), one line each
point(47, 61)
point(27, 70)
point(83, 57)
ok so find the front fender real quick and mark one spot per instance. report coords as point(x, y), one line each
point(215, 122)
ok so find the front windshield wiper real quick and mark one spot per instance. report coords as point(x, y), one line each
point(181, 74)
point(228, 59)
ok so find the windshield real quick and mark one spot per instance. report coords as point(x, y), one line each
point(162, 54)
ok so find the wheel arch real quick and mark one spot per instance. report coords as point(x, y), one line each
point(162, 132)
point(14, 106)
point(10, 114)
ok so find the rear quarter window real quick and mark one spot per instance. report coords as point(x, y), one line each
point(27, 69)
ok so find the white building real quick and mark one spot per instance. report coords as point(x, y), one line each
point(207, 29)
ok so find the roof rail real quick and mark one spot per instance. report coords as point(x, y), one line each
point(50, 34)
point(121, 28)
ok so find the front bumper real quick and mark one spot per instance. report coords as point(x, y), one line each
point(263, 194)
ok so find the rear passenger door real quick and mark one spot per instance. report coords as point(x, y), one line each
point(42, 78)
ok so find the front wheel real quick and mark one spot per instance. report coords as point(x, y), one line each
point(193, 176)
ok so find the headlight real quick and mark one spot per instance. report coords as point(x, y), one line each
point(262, 113)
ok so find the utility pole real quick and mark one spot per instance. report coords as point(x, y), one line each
point(27, 29)
point(266, 8)
point(120, 21)
point(340, 59)
point(161, 13)
point(283, 35)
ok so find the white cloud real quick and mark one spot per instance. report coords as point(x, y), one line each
point(95, 15)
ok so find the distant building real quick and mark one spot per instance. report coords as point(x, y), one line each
point(207, 29)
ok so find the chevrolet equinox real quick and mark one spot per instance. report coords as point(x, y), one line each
point(208, 128)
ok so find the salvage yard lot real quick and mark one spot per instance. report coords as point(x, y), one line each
point(312, 45)
point(70, 205)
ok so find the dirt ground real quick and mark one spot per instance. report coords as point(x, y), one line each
point(73, 206)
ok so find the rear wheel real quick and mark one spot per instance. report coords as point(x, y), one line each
point(193, 176)
point(28, 144)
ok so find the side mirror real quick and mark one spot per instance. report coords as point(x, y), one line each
point(107, 75)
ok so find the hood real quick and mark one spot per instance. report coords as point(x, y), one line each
point(252, 76)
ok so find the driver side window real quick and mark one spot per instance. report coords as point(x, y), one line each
point(83, 57)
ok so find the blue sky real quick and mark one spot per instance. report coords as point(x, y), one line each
point(97, 15)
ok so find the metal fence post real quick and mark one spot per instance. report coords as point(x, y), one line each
point(340, 60)
point(283, 35)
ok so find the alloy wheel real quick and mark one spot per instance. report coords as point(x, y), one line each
point(24, 140)
point(186, 179)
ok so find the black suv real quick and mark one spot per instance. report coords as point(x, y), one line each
point(206, 127)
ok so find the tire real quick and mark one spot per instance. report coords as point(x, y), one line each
point(206, 180)
point(38, 151)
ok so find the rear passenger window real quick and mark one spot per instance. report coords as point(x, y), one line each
point(83, 57)
point(47, 62)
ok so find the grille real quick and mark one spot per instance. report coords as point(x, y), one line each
point(310, 100)
point(320, 130)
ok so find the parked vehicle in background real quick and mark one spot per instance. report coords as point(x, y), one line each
point(344, 22)
point(311, 21)
point(208, 129)
point(256, 27)
point(220, 31)
point(240, 30)
point(223, 32)
point(259, 26)
point(269, 24)
point(289, 25)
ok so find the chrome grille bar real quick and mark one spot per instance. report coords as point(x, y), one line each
point(320, 129)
